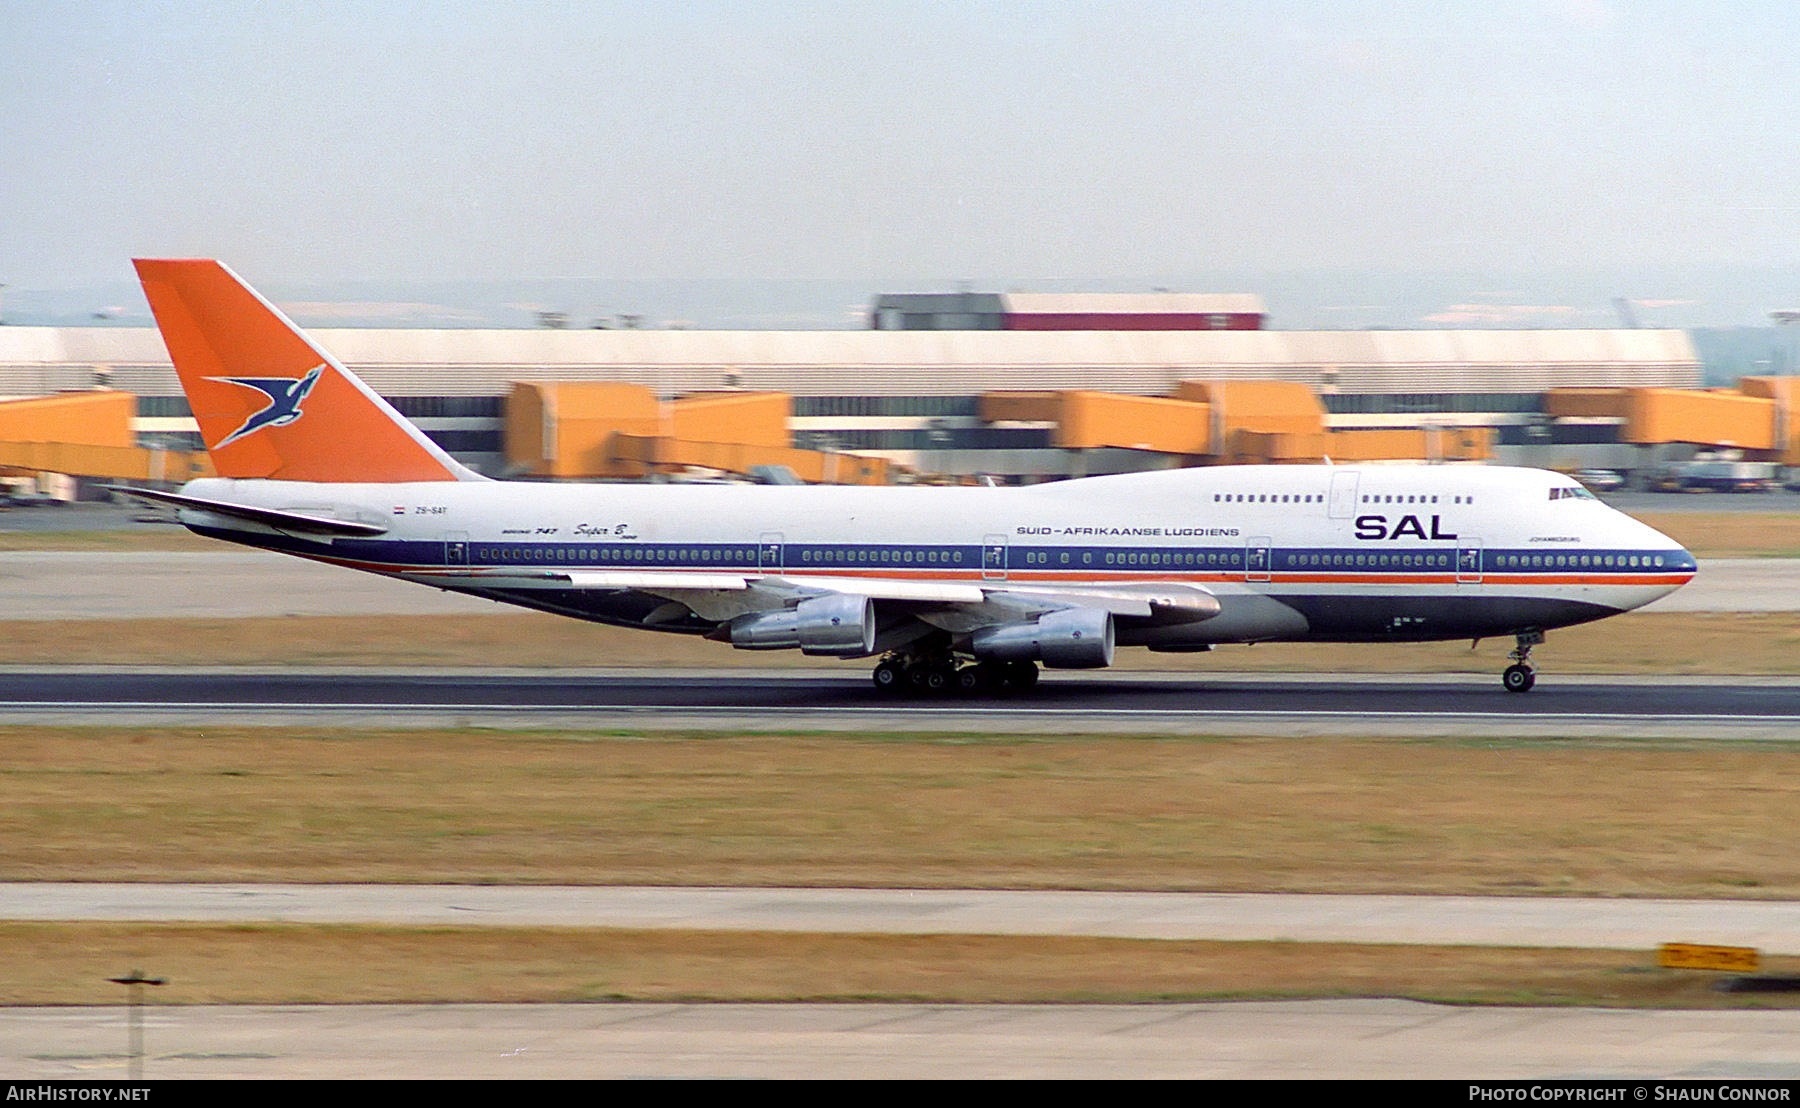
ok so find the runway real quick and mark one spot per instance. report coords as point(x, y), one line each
point(1569, 922)
point(784, 700)
point(1252, 1040)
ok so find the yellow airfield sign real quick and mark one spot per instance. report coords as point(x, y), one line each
point(1735, 959)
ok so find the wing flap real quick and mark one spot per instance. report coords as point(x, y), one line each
point(607, 579)
point(651, 580)
point(885, 588)
point(1172, 602)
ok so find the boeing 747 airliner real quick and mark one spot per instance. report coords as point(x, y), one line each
point(949, 588)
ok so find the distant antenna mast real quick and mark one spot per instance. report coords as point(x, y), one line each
point(1788, 318)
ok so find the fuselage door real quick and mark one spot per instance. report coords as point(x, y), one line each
point(456, 548)
point(769, 552)
point(1343, 493)
point(1468, 562)
point(1258, 557)
point(993, 557)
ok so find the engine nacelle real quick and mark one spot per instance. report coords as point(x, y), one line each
point(1075, 638)
point(840, 625)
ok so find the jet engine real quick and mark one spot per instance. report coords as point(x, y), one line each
point(1074, 638)
point(839, 625)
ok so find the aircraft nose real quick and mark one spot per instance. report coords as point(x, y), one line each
point(1685, 563)
point(1672, 564)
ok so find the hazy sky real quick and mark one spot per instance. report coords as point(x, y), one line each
point(997, 143)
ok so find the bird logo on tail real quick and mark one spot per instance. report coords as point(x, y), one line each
point(285, 396)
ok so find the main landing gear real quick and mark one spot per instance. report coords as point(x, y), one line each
point(1519, 677)
point(940, 674)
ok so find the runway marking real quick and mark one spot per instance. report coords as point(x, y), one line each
point(1060, 711)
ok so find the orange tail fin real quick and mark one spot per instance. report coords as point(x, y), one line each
point(269, 402)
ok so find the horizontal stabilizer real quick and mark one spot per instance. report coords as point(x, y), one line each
point(268, 517)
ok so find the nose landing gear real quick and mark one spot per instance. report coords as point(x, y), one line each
point(1520, 677)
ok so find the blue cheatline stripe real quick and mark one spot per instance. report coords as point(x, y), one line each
point(1597, 564)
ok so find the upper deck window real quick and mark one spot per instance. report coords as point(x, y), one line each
point(1576, 492)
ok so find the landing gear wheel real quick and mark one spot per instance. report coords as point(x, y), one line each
point(1519, 677)
point(921, 670)
point(974, 680)
point(890, 677)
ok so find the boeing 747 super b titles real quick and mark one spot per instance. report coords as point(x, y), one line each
point(949, 588)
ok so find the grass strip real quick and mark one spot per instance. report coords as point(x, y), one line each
point(69, 964)
point(1633, 818)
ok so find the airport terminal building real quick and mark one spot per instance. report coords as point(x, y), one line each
point(920, 393)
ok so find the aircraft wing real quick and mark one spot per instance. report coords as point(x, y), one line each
point(990, 602)
point(954, 605)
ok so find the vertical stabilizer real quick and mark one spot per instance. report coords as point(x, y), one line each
point(270, 403)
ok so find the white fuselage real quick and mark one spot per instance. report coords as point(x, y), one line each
point(1348, 553)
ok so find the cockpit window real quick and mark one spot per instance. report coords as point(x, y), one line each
point(1573, 492)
